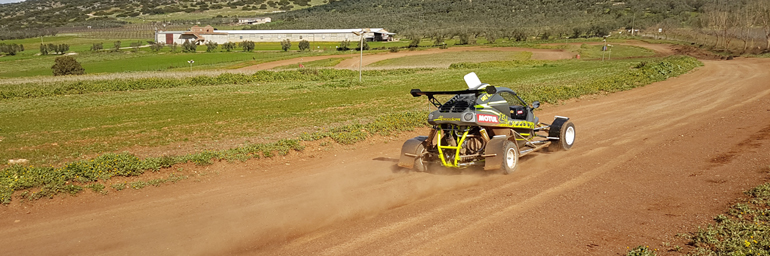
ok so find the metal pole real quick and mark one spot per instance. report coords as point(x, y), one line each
point(610, 56)
point(605, 47)
point(633, 23)
point(361, 61)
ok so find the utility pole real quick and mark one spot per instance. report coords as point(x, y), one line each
point(361, 46)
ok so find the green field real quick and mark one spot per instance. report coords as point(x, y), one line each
point(447, 58)
point(47, 130)
point(326, 63)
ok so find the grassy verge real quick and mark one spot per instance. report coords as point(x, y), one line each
point(742, 230)
point(73, 177)
point(61, 123)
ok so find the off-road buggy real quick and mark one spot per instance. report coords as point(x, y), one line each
point(484, 125)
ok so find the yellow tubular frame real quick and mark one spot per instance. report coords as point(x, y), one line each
point(456, 149)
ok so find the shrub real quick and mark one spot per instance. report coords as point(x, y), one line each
point(344, 45)
point(97, 47)
point(414, 43)
point(174, 46)
point(247, 46)
point(211, 46)
point(229, 46)
point(394, 49)
point(365, 46)
point(303, 45)
point(285, 45)
point(156, 47)
point(11, 49)
point(67, 65)
point(188, 46)
point(116, 46)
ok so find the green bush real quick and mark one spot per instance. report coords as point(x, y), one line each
point(67, 65)
point(641, 251)
point(247, 46)
point(285, 45)
point(211, 46)
point(304, 45)
point(188, 46)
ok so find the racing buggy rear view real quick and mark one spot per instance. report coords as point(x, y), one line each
point(484, 125)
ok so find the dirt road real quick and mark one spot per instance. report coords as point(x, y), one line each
point(353, 61)
point(648, 164)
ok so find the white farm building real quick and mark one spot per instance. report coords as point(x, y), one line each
point(204, 34)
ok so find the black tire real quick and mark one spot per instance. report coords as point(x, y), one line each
point(510, 157)
point(566, 138)
point(419, 164)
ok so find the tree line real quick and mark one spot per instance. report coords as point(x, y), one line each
point(518, 20)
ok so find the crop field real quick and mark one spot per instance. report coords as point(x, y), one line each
point(446, 59)
point(326, 63)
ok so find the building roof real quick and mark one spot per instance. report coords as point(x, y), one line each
point(292, 31)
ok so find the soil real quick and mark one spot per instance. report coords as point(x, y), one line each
point(647, 164)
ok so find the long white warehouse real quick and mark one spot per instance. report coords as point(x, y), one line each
point(204, 34)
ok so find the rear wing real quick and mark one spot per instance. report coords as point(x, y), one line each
point(488, 89)
point(417, 93)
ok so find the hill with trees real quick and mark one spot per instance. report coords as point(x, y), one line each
point(520, 18)
point(33, 18)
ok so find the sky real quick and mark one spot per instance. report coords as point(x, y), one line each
point(10, 1)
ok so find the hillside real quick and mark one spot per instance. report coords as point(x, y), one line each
point(41, 17)
point(532, 17)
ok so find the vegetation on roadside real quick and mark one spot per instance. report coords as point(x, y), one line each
point(743, 230)
point(47, 181)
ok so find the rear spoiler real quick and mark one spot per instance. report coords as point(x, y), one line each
point(417, 92)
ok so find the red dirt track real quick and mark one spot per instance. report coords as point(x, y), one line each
point(648, 163)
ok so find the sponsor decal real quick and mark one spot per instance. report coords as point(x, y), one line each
point(486, 118)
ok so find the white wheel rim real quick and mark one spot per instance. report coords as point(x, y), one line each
point(510, 158)
point(569, 135)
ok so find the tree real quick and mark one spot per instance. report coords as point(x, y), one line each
point(211, 46)
point(365, 46)
point(43, 49)
point(247, 46)
point(188, 46)
point(303, 45)
point(229, 46)
point(344, 45)
point(156, 47)
point(285, 45)
point(763, 19)
point(491, 36)
point(97, 47)
point(466, 38)
point(116, 46)
point(415, 42)
point(67, 65)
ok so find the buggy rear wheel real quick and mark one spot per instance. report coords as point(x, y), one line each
point(566, 138)
point(419, 164)
point(510, 157)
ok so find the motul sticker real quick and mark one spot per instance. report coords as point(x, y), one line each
point(486, 118)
